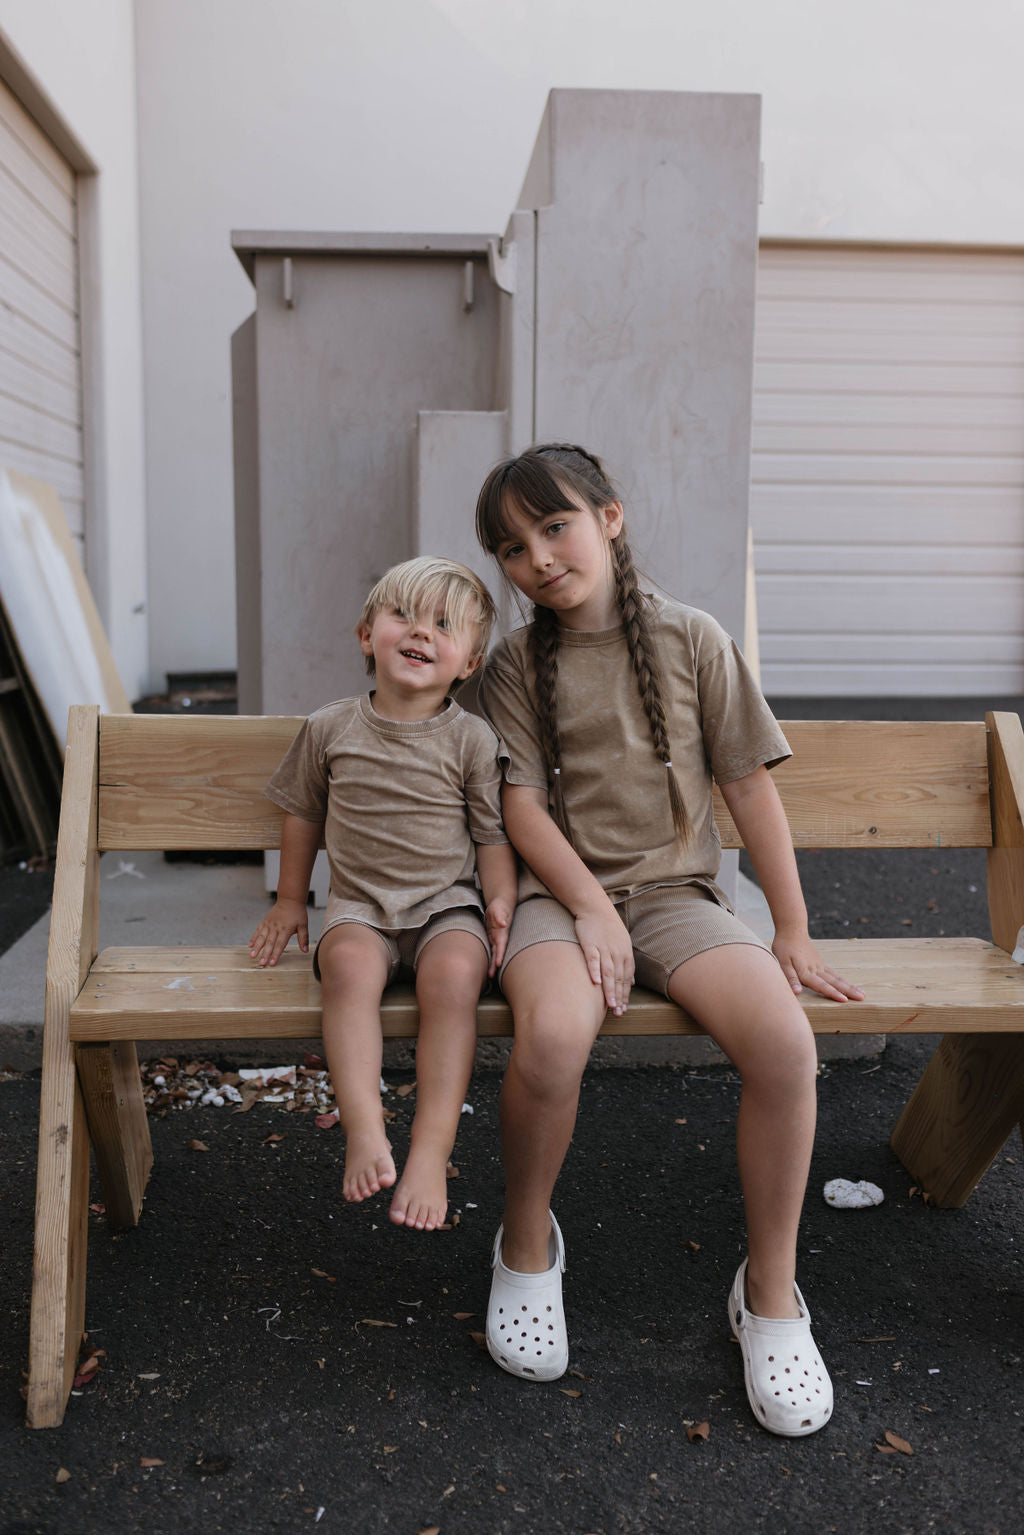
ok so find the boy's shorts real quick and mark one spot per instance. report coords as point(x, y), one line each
point(406, 944)
point(668, 925)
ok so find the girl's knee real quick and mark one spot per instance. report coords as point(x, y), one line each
point(549, 1057)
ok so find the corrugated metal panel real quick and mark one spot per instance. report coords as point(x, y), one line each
point(888, 471)
point(40, 337)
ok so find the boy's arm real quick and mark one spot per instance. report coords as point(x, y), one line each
point(300, 842)
point(754, 804)
point(496, 867)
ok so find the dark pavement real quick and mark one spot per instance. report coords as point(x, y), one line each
point(241, 1351)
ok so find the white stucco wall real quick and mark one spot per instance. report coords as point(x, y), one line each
point(82, 55)
point(892, 122)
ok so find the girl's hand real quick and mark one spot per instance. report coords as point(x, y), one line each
point(608, 952)
point(270, 939)
point(803, 966)
point(497, 920)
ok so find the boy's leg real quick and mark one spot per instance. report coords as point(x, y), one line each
point(450, 973)
point(558, 1012)
point(354, 966)
point(738, 993)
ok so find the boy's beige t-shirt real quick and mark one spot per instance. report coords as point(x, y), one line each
point(402, 804)
point(614, 786)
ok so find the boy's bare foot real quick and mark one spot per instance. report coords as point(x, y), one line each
point(369, 1165)
point(421, 1198)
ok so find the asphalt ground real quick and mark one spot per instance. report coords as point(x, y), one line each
point(294, 1363)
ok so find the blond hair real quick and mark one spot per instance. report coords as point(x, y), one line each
point(428, 585)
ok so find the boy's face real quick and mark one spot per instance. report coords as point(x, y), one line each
point(418, 656)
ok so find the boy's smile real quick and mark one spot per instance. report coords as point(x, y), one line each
point(416, 660)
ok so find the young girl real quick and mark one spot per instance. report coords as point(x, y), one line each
point(617, 709)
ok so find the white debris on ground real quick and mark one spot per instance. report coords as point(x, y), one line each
point(175, 1083)
point(842, 1194)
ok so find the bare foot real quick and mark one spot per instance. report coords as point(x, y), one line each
point(421, 1198)
point(369, 1165)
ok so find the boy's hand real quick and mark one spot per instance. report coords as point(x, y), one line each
point(498, 920)
point(270, 939)
point(802, 966)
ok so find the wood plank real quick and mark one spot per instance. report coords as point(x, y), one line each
point(118, 1127)
point(169, 782)
point(970, 1099)
point(58, 1277)
point(913, 985)
point(1006, 858)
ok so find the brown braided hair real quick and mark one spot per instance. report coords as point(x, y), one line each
point(541, 482)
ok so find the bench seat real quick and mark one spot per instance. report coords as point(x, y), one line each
point(912, 986)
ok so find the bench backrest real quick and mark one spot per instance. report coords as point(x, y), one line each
point(169, 782)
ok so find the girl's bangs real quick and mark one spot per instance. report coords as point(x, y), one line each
point(525, 485)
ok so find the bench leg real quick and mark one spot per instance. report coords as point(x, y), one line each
point(62, 1214)
point(969, 1100)
point(118, 1128)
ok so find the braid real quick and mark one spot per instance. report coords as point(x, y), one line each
point(648, 673)
point(544, 653)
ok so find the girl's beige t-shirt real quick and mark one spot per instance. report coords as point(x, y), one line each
point(614, 786)
point(402, 804)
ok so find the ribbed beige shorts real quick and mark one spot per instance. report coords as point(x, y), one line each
point(406, 944)
point(668, 925)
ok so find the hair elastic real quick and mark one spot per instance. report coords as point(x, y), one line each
point(557, 771)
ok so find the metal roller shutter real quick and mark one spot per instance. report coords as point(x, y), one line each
point(888, 471)
point(40, 341)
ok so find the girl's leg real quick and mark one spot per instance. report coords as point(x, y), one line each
point(354, 965)
point(558, 1011)
point(740, 996)
point(451, 972)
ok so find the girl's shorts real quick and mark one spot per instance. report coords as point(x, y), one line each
point(668, 925)
point(406, 944)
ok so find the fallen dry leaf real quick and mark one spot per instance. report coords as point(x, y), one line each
point(150, 1460)
point(570, 1391)
point(698, 1431)
point(694, 1246)
point(98, 1209)
point(405, 1089)
point(451, 1171)
point(369, 1321)
point(479, 1338)
point(462, 1316)
point(63, 1475)
point(198, 1146)
point(389, 1449)
point(326, 1121)
point(271, 1140)
point(898, 1443)
point(680, 1121)
point(580, 1375)
point(432, 1529)
point(885, 1449)
point(322, 1274)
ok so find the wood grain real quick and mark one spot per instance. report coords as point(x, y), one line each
point(118, 1127)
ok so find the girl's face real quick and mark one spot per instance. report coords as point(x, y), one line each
point(563, 561)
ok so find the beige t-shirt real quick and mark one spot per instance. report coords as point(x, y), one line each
point(614, 786)
point(402, 804)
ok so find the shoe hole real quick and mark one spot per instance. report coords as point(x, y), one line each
point(546, 1308)
point(527, 1370)
point(771, 1358)
point(806, 1423)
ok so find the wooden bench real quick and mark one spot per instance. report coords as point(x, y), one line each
point(168, 782)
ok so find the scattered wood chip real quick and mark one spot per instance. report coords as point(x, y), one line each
point(451, 1171)
point(479, 1338)
point(194, 1145)
point(322, 1274)
point(432, 1529)
point(680, 1121)
point(150, 1460)
point(580, 1375)
point(463, 1316)
point(271, 1140)
point(389, 1449)
point(898, 1443)
point(405, 1089)
point(63, 1475)
point(698, 1431)
point(570, 1391)
point(694, 1246)
point(369, 1321)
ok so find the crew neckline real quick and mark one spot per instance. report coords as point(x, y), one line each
point(387, 727)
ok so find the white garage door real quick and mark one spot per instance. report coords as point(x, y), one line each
point(40, 372)
point(888, 471)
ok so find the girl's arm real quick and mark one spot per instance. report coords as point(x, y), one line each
point(496, 868)
point(601, 933)
point(300, 842)
point(755, 806)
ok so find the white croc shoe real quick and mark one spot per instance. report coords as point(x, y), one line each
point(525, 1321)
point(788, 1386)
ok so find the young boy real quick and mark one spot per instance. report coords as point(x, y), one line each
point(404, 787)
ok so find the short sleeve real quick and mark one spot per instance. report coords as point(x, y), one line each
point(300, 783)
point(740, 731)
point(507, 706)
point(483, 788)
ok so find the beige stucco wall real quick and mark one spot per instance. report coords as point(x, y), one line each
point(881, 122)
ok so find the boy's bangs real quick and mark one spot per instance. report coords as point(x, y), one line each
point(423, 595)
point(525, 485)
